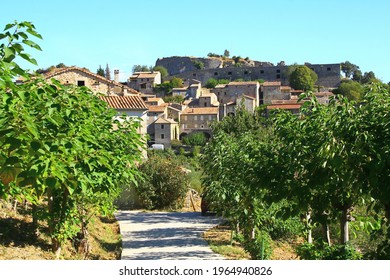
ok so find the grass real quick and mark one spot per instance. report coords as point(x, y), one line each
point(19, 242)
point(219, 240)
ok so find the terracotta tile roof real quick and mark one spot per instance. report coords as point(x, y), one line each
point(157, 108)
point(220, 86)
point(285, 88)
point(125, 102)
point(173, 108)
point(180, 89)
point(271, 84)
point(144, 75)
point(243, 83)
point(154, 99)
point(89, 73)
point(284, 106)
point(201, 111)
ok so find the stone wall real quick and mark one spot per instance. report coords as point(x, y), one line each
point(328, 74)
point(181, 64)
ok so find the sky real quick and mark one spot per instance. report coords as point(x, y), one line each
point(124, 33)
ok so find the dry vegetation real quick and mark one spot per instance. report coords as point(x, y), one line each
point(19, 242)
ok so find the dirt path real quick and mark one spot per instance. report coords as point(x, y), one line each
point(165, 235)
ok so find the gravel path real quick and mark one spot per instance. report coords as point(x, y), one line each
point(165, 235)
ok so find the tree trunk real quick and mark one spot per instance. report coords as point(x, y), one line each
point(326, 232)
point(308, 227)
point(344, 223)
point(35, 219)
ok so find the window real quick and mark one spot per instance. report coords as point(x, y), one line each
point(201, 117)
point(162, 136)
point(261, 71)
point(80, 83)
point(229, 73)
point(162, 126)
point(215, 73)
point(194, 74)
point(205, 104)
point(278, 71)
point(195, 118)
point(246, 72)
point(185, 118)
point(328, 69)
point(210, 117)
point(196, 125)
point(278, 76)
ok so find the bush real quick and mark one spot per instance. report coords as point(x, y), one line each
point(165, 183)
point(322, 251)
point(195, 139)
point(259, 248)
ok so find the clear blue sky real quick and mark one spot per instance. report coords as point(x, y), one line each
point(123, 33)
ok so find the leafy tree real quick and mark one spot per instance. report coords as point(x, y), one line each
point(348, 68)
point(176, 82)
point(350, 89)
point(213, 55)
point(211, 83)
point(60, 65)
point(198, 64)
point(226, 53)
point(369, 77)
point(58, 148)
point(195, 139)
point(142, 68)
point(162, 70)
point(303, 78)
point(165, 183)
point(100, 71)
point(357, 75)
point(173, 99)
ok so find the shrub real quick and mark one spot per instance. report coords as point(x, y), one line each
point(195, 139)
point(165, 183)
point(322, 251)
point(259, 248)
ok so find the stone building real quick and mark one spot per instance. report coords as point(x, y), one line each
point(236, 90)
point(154, 101)
point(198, 119)
point(83, 77)
point(132, 107)
point(144, 81)
point(157, 111)
point(163, 131)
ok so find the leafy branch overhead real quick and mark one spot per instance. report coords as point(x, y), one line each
point(59, 148)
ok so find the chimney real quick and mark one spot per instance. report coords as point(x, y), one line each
point(116, 76)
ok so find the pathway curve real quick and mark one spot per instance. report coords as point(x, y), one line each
point(165, 235)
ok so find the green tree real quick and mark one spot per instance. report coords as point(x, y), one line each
point(195, 139)
point(162, 70)
point(165, 184)
point(350, 89)
point(303, 78)
point(100, 71)
point(211, 83)
point(348, 68)
point(141, 68)
point(198, 64)
point(58, 148)
point(226, 53)
point(369, 77)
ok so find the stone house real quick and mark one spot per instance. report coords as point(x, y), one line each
point(154, 101)
point(198, 119)
point(274, 91)
point(83, 77)
point(208, 99)
point(193, 91)
point(157, 111)
point(144, 81)
point(163, 131)
point(235, 90)
point(173, 112)
point(132, 107)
